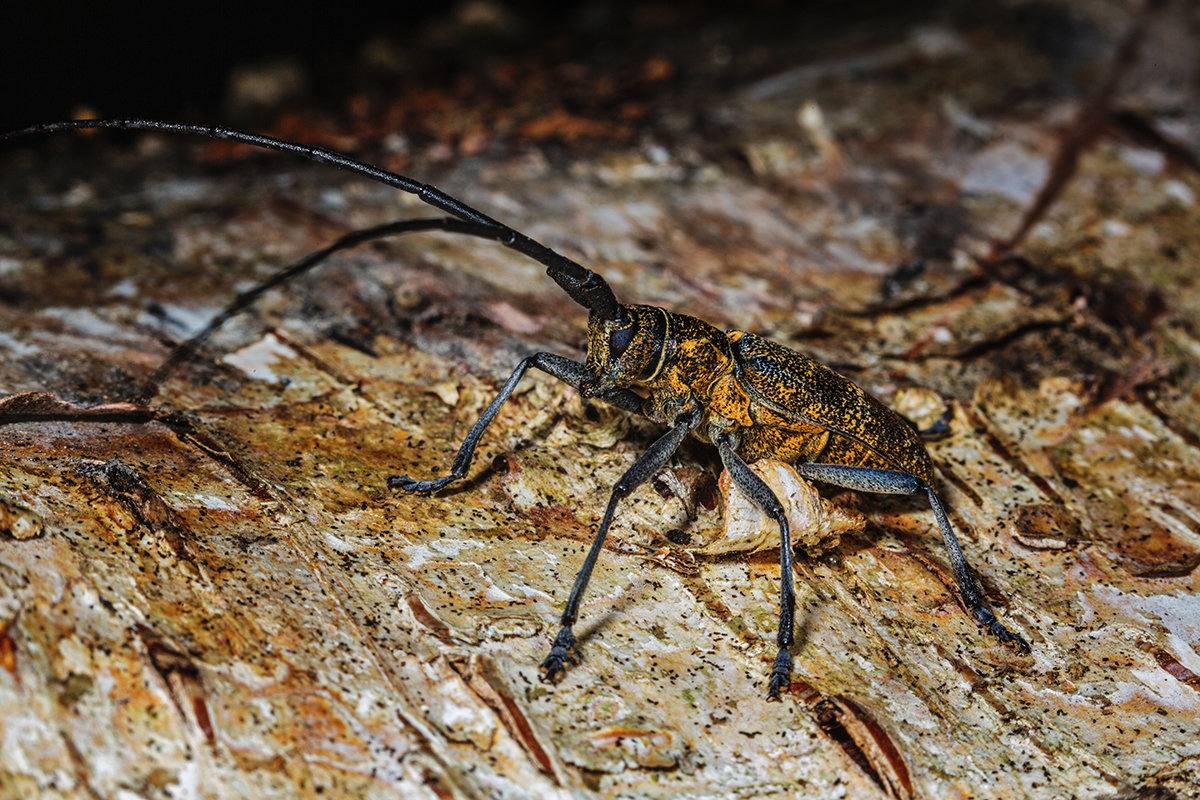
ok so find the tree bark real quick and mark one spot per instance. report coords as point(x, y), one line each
point(212, 591)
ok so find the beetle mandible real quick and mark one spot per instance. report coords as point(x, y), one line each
point(748, 396)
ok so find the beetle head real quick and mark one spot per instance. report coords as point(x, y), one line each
point(625, 350)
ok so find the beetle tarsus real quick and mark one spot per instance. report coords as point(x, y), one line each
point(988, 620)
point(781, 674)
point(562, 652)
point(406, 484)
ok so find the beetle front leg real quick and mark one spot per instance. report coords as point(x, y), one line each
point(566, 370)
point(758, 491)
point(886, 481)
point(649, 463)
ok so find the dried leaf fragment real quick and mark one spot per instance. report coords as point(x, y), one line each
point(815, 522)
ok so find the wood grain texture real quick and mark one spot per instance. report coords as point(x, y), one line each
point(215, 595)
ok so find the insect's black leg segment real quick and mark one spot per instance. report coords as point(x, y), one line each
point(466, 452)
point(938, 429)
point(968, 585)
point(649, 463)
point(758, 491)
point(566, 370)
point(862, 479)
point(967, 582)
point(575, 374)
point(886, 481)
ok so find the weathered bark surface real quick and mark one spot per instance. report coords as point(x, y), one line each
point(215, 595)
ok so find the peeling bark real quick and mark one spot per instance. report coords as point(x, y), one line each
point(214, 591)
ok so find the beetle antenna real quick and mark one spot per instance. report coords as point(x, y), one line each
point(188, 349)
point(584, 286)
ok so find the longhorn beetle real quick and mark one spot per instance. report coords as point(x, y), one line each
point(748, 396)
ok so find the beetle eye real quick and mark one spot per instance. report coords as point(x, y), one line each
point(619, 339)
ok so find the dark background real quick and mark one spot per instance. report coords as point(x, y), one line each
point(176, 59)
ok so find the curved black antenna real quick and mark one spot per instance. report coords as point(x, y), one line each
point(584, 286)
point(186, 350)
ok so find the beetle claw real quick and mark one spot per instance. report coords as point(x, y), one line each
point(406, 484)
point(562, 652)
point(997, 629)
point(781, 674)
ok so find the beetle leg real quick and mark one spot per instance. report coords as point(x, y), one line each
point(764, 498)
point(886, 481)
point(564, 369)
point(649, 463)
point(967, 582)
point(575, 374)
point(862, 479)
point(939, 429)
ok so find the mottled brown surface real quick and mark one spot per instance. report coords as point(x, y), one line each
point(216, 596)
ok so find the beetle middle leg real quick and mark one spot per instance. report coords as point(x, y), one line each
point(642, 470)
point(758, 491)
point(886, 481)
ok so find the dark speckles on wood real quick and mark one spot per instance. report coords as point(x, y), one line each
point(753, 398)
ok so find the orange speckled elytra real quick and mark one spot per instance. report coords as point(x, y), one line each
point(748, 396)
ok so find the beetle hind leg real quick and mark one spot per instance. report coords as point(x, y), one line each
point(967, 582)
point(887, 481)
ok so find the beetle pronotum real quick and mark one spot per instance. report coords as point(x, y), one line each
point(746, 395)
